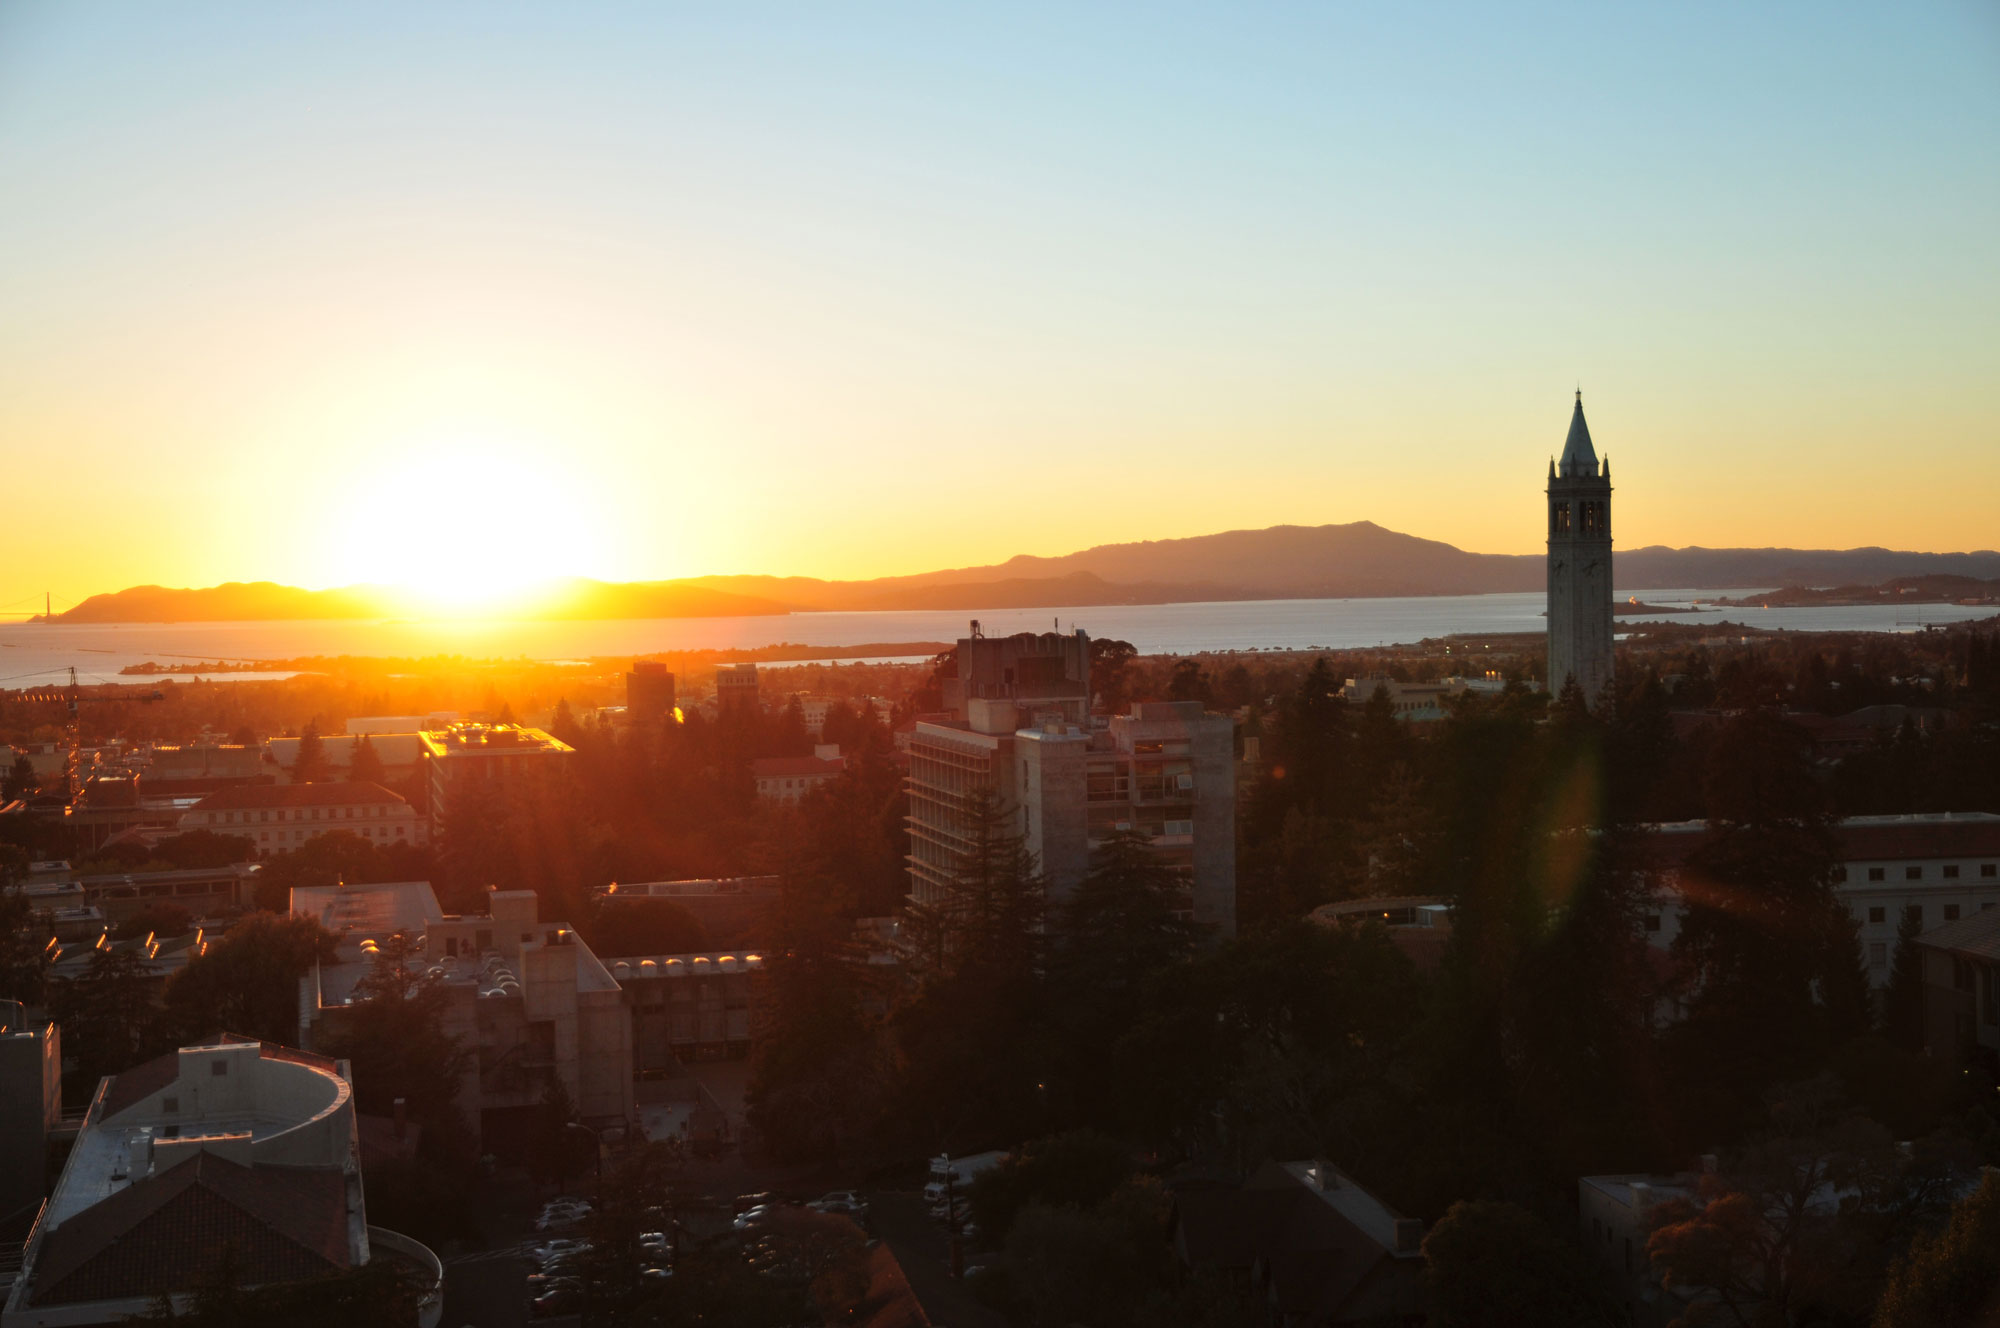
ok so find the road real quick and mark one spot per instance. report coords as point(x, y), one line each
point(903, 1219)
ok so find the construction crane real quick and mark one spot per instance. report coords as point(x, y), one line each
point(73, 697)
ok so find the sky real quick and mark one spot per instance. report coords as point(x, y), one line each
point(467, 293)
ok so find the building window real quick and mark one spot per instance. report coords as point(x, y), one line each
point(217, 1069)
point(1878, 954)
point(1876, 874)
point(1913, 873)
point(1989, 869)
point(170, 1132)
point(1840, 875)
point(1951, 912)
point(1951, 871)
point(1914, 913)
point(1876, 914)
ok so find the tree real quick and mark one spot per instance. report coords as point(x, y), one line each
point(1076, 1169)
point(1774, 1234)
point(20, 781)
point(105, 1014)
point(205, 849)
point(1111, 673)
point(1189, 682)
point(248, 981)
point(1903, 1003)
point(309, 764)
point(1951, 1277)
point(394, 1036)
point(1494, 1265)
point(1092, 1265)
point(24, 951)
point(364, 764)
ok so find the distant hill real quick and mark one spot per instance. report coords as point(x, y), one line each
point(1355, 561)
point(257, 601)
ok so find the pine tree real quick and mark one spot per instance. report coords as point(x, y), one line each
point(309, 765)
point(1903, 1004)
point(364, 764)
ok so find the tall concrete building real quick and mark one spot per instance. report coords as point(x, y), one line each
point(1020, 727)
point(649, 693)
point(463, 757)
point(736, 689)
point(1580, 567)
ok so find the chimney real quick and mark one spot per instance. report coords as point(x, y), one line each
point(402, 1119)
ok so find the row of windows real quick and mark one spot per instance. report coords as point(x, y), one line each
point(1917, 872)
point(371, 812)
point(301, 836)
point(1915, 912)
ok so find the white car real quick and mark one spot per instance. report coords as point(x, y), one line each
point(751, 1217)
point(557, 1249)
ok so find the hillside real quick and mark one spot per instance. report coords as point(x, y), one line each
point(1354, 561)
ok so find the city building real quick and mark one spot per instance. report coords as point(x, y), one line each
point(467, 756)
point(1614, 1221)
point(1579, 603)
point(649, 693)
point(1420, 925)
point(689, 1006)
point(205, 892)
point(1961, 970)
point(280, 817)
point(400, 751)
point(1418, 702)
point(730, 911)
point(30, 1107)
point(786, 779)
point(212, 763)
point(1937, 868)
point(527, 997)
point(231, 1145)
point(736, 689)
point(1020, 729)
point(1313, 1246)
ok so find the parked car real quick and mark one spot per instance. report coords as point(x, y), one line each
point(751, 1219)
point(762, 1199)
point(656, 1272)
point(557, 1248)
point(561, 1300)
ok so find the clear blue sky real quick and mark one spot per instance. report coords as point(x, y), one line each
point(820, 288)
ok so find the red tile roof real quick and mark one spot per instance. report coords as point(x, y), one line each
point(280, 1224)
point(258, 796)
point(787, 767)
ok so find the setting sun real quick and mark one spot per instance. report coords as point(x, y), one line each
point(470, 526)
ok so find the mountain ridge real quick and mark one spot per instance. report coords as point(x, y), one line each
point(1356, 560)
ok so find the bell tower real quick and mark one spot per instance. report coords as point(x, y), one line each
point(1580, 567)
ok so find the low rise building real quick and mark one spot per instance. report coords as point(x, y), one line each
point(1935, 868)
point(205, 892)
point(729, 910)
point(229, 1148)
point(1419, 702)
point(1314, 1247)
point(1961, 971)
point(30, 1107)
point(401, 753)
point(787, 779)
point(526, 997)
point(1614, 1222)
point(281, 817)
